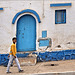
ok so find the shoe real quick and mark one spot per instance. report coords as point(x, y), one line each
point(20, 70)
point(8, 72)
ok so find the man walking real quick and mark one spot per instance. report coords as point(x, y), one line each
point(13, 56)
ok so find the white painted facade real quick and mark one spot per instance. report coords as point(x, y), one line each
point(59, 33)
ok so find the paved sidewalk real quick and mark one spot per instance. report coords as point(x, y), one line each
point(45, 68)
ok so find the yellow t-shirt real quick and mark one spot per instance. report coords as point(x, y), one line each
point(13, 50)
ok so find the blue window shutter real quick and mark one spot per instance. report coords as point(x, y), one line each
point(44, 34)
point(56, 17)
point(65, 17)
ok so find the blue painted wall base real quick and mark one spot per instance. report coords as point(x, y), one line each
point(43, 56)
point(55, 55)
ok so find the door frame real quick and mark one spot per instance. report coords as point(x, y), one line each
point(37, 28)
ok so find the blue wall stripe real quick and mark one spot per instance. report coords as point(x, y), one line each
point(25, 11)
point(1, 8)
point(60, 4)
point(43, 56)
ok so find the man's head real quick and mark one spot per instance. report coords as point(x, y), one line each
point(14, 39)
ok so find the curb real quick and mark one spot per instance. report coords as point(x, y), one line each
point(58, 73)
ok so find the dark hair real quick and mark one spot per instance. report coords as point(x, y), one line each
point(14, 38)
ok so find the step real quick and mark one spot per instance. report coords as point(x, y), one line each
point(30, 60)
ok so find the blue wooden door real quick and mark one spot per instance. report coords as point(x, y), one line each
point(26, 33)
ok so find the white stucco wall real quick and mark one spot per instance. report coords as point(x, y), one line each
point(60, 33)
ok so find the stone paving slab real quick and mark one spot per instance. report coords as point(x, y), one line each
point(44, 68)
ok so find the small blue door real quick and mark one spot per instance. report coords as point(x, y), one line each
point(26, 33)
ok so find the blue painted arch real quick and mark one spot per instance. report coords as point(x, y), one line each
point(26, 11)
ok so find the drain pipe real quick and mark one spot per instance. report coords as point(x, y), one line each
point(43, 10)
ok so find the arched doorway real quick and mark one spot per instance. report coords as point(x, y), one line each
point(26, 33)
